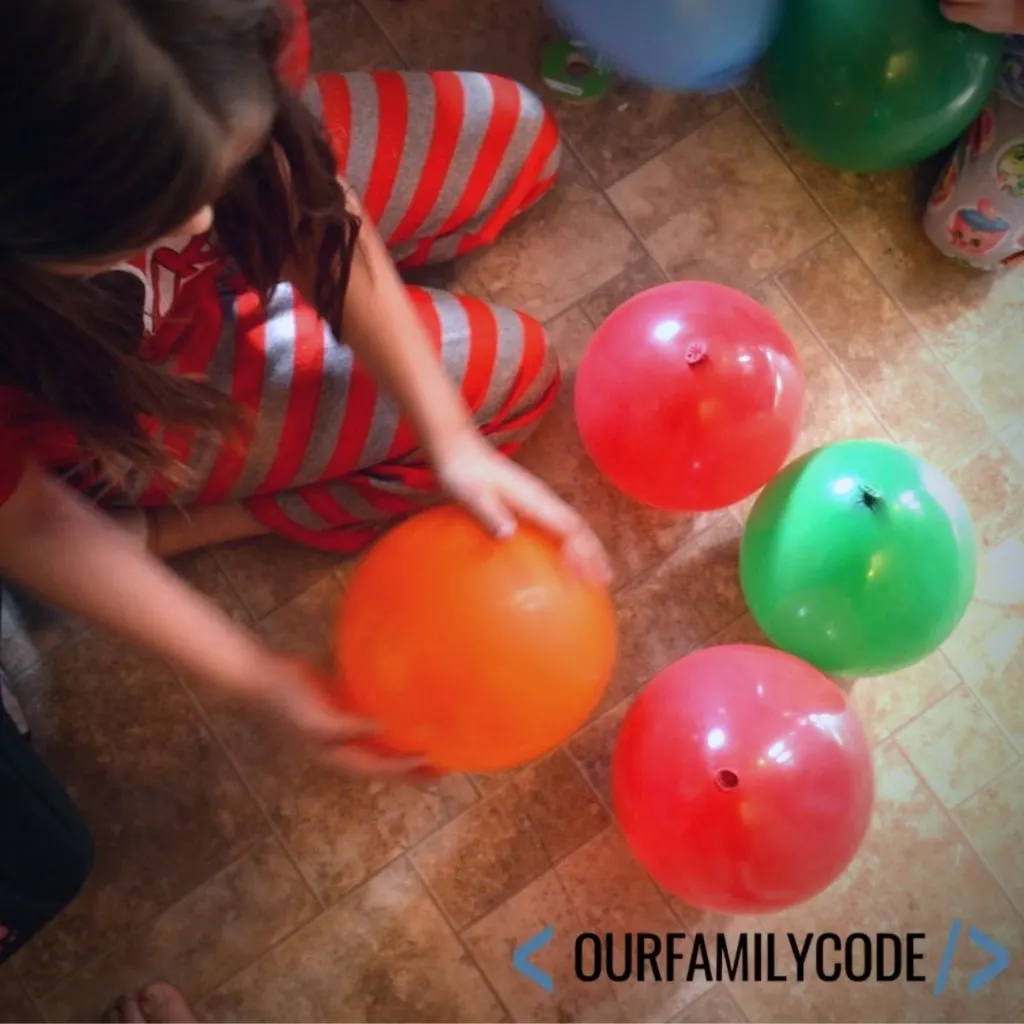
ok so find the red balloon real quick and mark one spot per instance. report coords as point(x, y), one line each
point(690, 397)
point(742, 780)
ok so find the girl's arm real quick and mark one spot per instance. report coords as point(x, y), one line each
point(386, 332)
point(73, 556)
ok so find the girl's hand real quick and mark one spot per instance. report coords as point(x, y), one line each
point(292, 691)
point(999, 16)
point(497, 491)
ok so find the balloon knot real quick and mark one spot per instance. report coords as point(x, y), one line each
point(870, 498)
point(696, 352)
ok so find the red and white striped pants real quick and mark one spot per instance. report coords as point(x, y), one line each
point(442, 162)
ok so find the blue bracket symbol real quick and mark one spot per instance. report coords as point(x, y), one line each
point(521, 959)
point(1000, 958)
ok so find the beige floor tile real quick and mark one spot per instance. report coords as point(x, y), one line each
point(657, 625)
point(636, 278)
point(493, 940)
point(992, 373)
point(743, 631)
point(313, 805)
point(201, 570)
point(635, 537)
point(15, 1005)
point(992, 483)
point(591, 748)
point(880, 214)
point(570, 333)
point(887, 703)
point(707, 575)
point(345, 38)
point(483, 857)
point(631, 124)
point(956, 747)
point(914, 396)
point(165, 806)
point(201, 941)
point(714, 1007)
point(267, 572)
point(835, 408)
point(666, 613)
point(988, 647)
point(1013, 437)
point(611, 893)
point(915, 873)
point(720, 205)
point(993, 820)
point(560, 804)
point(484, 36)
point(384, 953)
point(572, 242)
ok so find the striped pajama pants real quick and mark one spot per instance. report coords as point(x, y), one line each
point(442, 161)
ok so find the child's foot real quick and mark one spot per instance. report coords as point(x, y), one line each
point(160, 1003)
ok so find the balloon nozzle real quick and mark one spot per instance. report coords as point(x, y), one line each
point(870, 498)
point(726, 779)
point(696, 352)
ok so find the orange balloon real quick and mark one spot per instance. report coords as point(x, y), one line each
point(476, 653)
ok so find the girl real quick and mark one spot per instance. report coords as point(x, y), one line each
point(976, 212)
point(177, 263)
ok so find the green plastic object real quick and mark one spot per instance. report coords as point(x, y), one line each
point(573, 72)
point(859, 558)
point(873, 85)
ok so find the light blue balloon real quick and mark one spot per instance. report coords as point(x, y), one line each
point(676, 45)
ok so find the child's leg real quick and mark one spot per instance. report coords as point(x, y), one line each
point(441, 160)
point(372, 471)
point(46, 853)
point(976, 211)
point(442, 163)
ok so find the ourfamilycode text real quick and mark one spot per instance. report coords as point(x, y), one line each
point(749, 956)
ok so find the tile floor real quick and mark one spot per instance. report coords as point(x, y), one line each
point(272, 891)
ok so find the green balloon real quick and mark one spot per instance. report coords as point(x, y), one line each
point(859, 558)
point(872, 85)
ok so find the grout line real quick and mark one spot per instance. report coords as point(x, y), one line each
point(890, 294)
point(233, 761)
point(621, 216)
point(458, 933)
point(948, 812)
point(325, 909)
point(140, 927)
point(387, 35)
point(863, 394)
point(655, 153)
point(853, 382)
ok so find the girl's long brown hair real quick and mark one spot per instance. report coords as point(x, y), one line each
point(113, 121)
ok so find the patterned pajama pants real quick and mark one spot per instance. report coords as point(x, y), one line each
point(976, 211)
point(442, 162)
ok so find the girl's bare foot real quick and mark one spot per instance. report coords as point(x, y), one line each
point(160, 1002)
